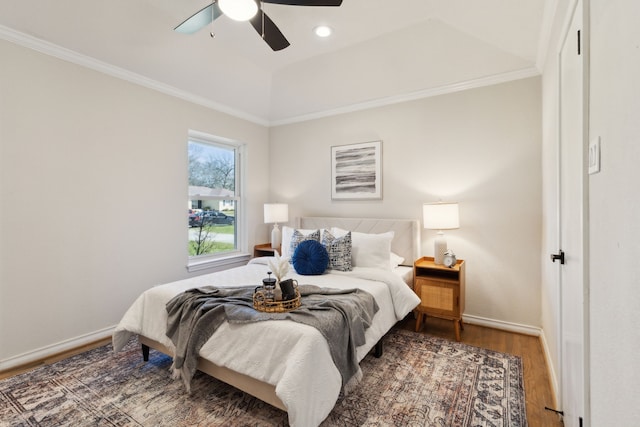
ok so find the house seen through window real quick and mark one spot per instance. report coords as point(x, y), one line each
point(214, 202)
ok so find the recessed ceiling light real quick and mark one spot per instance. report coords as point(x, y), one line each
point(322, 31)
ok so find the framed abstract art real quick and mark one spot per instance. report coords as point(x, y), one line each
point(356, 171)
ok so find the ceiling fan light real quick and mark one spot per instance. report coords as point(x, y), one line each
point(239, 10)
point(322, 31)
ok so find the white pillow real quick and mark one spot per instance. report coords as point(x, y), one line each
point(369, 250)
point(287, 232)
point(396, 260)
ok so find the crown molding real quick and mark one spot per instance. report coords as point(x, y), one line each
point(69, 55)
point(412, 96)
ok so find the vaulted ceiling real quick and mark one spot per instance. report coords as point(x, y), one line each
point(381, 51)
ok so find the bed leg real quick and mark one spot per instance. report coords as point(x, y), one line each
point(145, 352)
point(377, 352)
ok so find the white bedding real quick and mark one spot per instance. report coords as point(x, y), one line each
point(406, 273)
point(291, 356)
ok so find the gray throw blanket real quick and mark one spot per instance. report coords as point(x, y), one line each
point(342, 316)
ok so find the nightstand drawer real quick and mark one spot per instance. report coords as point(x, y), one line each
point(438, 297)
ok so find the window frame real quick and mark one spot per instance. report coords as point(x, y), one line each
point(240, 255)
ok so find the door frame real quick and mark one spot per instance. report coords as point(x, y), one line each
point(571, 10)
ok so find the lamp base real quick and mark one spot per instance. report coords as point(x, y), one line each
point(276, 237)
point(439, 248)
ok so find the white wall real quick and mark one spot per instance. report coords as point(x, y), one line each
point(93, 187)
point(480, 147)
point(614, 210)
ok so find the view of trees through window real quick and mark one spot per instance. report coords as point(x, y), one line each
point(212, 198)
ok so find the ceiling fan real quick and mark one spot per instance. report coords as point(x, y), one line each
point(260, 21)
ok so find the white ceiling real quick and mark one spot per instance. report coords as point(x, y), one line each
point(381, 50)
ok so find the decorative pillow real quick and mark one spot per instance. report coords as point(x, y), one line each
point(287, 233)
point(310, 258)
point(297, 237)
point(369, 250)
point(339, 250)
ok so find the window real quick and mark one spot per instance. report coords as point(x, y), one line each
point(215, 205)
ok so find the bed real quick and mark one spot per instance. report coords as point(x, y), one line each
point(284, 363)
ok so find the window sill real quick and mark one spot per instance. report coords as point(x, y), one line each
point(218, 263)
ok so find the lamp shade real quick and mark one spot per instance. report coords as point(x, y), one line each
point(440, 216)
point(239, 10)
point(276, 212)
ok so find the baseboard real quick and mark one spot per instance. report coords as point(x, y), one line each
point(552, 372)
point(502, 325)
point(50, 350)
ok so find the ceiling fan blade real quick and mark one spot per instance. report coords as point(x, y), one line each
point(200, 19)
point(306, 2)
point(271, 34)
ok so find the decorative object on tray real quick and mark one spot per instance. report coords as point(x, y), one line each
point(279, 266)
point(269, 287)
point(288, 288)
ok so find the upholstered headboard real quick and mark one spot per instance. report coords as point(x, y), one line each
point(406, 240)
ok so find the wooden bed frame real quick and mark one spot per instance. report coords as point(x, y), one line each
point(263, 391)
point(406, 243)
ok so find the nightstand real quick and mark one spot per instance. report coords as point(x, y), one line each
point(441, 291)
point(264, 249)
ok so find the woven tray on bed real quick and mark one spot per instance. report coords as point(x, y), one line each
point(261, 303)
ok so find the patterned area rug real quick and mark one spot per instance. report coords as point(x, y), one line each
point(419, 381)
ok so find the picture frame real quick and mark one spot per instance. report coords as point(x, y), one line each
point(356, 171)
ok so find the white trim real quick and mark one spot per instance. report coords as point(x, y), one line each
point(65, 54)
point(69, 55)
point(502, 325)
point(240, 256)
point(426, 93)
point(220, 263)
point(50, 350)
point(550, 368)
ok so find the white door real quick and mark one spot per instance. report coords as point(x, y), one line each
point(572, 202)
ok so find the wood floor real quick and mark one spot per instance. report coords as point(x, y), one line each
point(537, 382)
point(536, 378)
point(52, 359)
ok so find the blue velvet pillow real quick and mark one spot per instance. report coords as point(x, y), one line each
point(310, 258)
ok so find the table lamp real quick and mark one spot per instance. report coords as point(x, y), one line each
point(440, 216)
point(275, 213)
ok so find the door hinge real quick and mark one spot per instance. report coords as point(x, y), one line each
point(579, 43)
point(546, 408)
